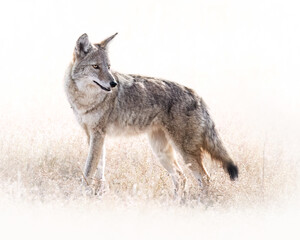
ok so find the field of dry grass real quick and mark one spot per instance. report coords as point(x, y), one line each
point(46, 165)
point(43, 151)
point(241, 58)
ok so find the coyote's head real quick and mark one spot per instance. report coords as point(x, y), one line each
point(91, 68)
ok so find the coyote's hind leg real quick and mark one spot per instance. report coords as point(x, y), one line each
point(164, 152)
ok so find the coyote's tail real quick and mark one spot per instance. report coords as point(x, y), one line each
point(214, 146)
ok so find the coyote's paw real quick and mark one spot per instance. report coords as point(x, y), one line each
point(100, 187)
point(86, 187)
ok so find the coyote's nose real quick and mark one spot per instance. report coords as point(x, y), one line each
point(113, 84)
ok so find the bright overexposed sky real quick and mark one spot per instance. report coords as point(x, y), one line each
point(172, 39)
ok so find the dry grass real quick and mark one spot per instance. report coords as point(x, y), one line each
point(41, 192)
point(43, 150)
point(42, 156)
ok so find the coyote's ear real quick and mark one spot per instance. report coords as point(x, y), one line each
point(83, 45)
point(104, 43)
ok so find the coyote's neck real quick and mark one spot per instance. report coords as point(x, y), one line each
point(81, 102)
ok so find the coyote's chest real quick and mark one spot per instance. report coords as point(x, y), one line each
point(87, 110)
point(90, 119)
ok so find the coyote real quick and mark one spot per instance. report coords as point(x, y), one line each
point(106, 102)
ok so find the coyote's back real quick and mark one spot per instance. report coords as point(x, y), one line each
point(106, 102)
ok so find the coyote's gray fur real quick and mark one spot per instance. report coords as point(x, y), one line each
point(106, 102)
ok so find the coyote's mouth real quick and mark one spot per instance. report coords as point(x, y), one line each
point(104, 88)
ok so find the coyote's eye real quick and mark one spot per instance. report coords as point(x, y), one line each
point(95, 66)
point(108, 66)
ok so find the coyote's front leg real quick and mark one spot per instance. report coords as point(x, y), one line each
point(96, 153)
